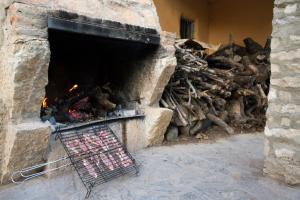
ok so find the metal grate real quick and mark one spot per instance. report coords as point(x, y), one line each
point(97, 154)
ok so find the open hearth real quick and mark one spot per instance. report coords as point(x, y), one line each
point(55, 50)
point(90, 75)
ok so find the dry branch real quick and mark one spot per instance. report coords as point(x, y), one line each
point(233, 80)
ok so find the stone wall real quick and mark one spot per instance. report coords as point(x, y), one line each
point(135, 12)
point(24, 59)
point(282, 148)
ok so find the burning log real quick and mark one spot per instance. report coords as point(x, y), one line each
point(103, 99)
point(79, 104)
point(230, 84)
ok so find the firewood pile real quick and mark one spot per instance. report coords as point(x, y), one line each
point(227, 88)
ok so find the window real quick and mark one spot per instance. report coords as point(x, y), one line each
point(186, 28)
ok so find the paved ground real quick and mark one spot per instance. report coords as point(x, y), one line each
point(228, 169)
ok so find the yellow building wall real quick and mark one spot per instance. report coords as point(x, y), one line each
point(215, 20)
point(241, 19)
point(170, 11)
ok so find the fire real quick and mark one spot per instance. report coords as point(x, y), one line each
point(44, 104)
point(73, 88)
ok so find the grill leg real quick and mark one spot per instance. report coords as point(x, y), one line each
point(137, 171)
point(88, 193)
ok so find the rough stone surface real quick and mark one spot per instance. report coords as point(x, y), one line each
point(24, 59)
point(26, 145)
point(3, 121)
point(135, 12)
point(135, 135)
point(282, 146)
point(172, 133)
point(117, 127)
point(153, 73)
point(156, 123)
point(155, 81)
point(148, 132)
point(3, 5)
point(24, 63)
point(229, 169)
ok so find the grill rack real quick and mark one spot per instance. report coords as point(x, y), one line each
point(96, 154)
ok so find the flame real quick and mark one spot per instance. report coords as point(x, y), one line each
point(73, 88)
point(44, 104)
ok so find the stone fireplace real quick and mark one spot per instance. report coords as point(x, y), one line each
point(53, 44)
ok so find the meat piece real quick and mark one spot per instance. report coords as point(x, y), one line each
point(125, 160)
point(92, 143)
point(113, 142)
point(97, 161)
point(83, 147)
point(104, 137)
point(72, 146)
point(113, 161)
point(89, 143)
point(104, 134)
point(98, 142)
point(106, 161)
point(89, 167)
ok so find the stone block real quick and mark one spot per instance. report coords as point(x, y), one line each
point(24, 89)
point(282, 133)
point(36, 2)
point(286, 55)
point(292, 82)
point(3, 123)
point(117, 128)
point(291, 8)
point(135, 135)
point(290, 108)
point(282, 162)
point(140, 13)
point(172, 133)
point(149, 131)
point(167, 48)
point(160, 76)
point(28, 21)
point(26, 145)
point(156, 123)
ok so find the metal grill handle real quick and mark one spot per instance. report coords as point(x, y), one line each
point(28, 173)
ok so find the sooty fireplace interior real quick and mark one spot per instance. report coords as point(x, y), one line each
point(91, 69)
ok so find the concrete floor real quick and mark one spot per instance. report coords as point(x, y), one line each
point(230, 168)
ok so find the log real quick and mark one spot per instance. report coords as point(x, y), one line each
point(220, 123)
point(196, 128)
point(252, 47)
point(230, 83)
point(103, 100)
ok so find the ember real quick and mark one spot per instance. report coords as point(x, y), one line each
point(79, 104)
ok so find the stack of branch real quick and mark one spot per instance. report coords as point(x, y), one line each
point(227, 88)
